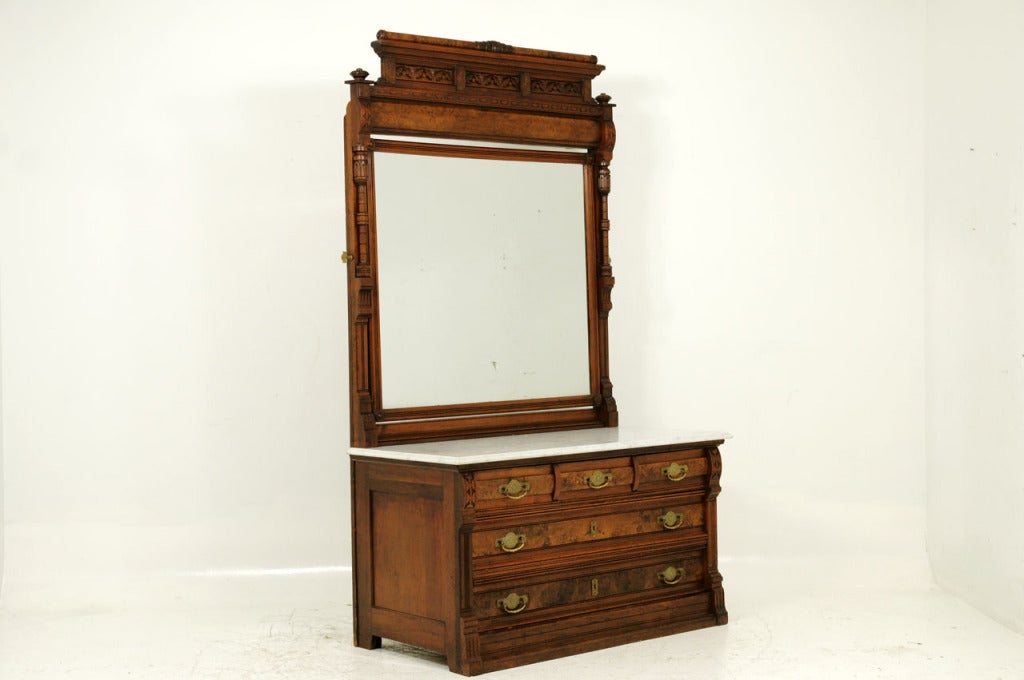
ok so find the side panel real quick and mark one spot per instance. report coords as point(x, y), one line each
point(405, 555)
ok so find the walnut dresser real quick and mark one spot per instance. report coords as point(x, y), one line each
point(505, 551)
point(499, 514)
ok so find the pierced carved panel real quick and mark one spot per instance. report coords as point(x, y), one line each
point(493, 80)
point(544, 86)
point(423, 74)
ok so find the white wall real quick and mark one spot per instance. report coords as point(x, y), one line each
point(975, 256)
point(172, 214)
point(768, 261)
point(1, 454)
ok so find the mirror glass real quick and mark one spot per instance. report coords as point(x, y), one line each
point(482, 279)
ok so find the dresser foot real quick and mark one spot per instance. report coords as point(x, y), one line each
point(368, 641)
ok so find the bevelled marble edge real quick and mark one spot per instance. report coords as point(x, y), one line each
point(536, 445)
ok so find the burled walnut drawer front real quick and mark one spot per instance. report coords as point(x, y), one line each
point(687, 468)
point(527, 537)
point(678, 574)
point(514, 487)
point(593, 478)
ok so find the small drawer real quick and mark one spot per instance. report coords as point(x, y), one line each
point(593, 478)
point(524, 538)
point(513, 487)
point(682, 573)
point(674, 469)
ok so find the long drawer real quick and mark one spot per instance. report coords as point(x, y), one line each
point(666, 515)
point(679, 573)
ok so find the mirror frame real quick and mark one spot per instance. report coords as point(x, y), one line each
point(486, 92)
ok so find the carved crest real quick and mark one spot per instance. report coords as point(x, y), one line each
point(495, 46)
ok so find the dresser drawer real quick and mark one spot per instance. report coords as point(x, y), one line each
point(669, 574)
point(674, 469)
point(524, 538)
point(594, 478)
point(513, 487)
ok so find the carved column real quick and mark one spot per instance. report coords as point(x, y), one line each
point(361, 274)
point(605, 402)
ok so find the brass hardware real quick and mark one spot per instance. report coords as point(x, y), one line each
point(670, 520)
point(675, 472)
point(513, 603)
point(593, 528)
point(670, 576)
point(511, 542)
point(347, 257)
point(594, 588)
point(514, 489)
point(598, 480)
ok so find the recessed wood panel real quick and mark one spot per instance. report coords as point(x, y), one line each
point(407, 531)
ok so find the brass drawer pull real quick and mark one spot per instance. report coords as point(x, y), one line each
point(514, 489)
point(598, 480)
point(513, 604)
point(670, 576)
point(511, 542)
point(670, 520)
point(675, 472)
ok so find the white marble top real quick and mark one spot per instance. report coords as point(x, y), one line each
point(539, 445)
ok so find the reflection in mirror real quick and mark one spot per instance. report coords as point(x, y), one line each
point(482, 279)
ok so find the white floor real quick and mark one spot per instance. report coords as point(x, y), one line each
point(827, 619)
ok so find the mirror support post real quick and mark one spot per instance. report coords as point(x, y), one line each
point(605, 402)
point(360, 272)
